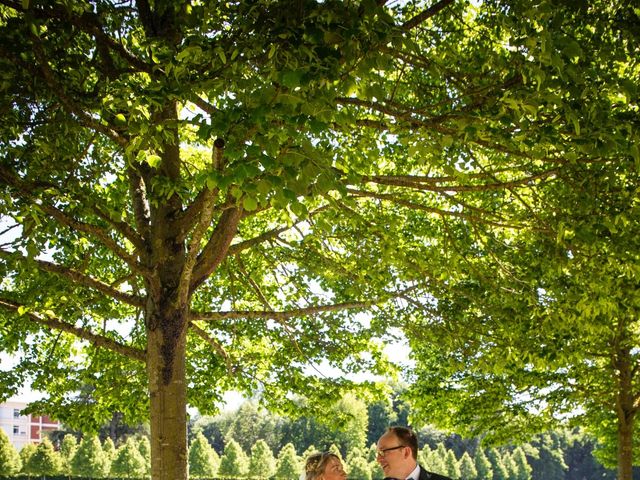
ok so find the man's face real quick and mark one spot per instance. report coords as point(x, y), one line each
point(394, 457)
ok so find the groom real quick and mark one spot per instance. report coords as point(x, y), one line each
point(398, 456)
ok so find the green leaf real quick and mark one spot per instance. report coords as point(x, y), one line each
point(193, 51)
point(221, 54)
point(635, 153)
point(212, 180)
point(153, 160)
point(272, 50)
point(249, 203)
point(299, 210)
point(291, 78)
point(572, 50)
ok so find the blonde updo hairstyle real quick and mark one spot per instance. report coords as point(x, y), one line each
point(316, 463)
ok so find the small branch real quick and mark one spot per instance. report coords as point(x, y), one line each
point(285, 314)
point(511, 187)
point(217, 346)
point(437, 211)
point(121, 227)
point(26, 190)
point(279, 316)
point(430, 183)
point(56, 88)
point(253, 284)
point(82, 279)
point(101, 235)
point(55, 323)
point(433, 123)
point(88, 22)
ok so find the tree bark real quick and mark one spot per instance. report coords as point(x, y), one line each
point(626, 414)
point(166, 356)
point(625, 446)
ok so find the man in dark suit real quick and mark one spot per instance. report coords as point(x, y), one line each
point(398, 456)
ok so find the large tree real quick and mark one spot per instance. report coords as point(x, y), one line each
point(544, 331)
point(200, 196)
point(540, 326)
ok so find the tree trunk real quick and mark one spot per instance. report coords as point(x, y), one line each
point(166, 349)
point(626, 414)
point(166, 317)
point(625, 447)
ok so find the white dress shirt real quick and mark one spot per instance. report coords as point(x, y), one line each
point(415, 474)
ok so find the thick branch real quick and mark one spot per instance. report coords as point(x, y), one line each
point(204, 105)
point(146, 16)
point(217, 248)
point(141, 210)
point(204, 217)
point(204, 202)
point(252, 283)
point(427, 14)
point(55, 323)
point(269, 235)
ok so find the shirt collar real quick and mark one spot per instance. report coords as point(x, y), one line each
point(415, 474)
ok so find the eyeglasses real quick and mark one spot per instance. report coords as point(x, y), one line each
point(383, 451)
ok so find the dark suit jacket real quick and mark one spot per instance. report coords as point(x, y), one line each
point(424, 475)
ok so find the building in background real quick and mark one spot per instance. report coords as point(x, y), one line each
point(23, 429)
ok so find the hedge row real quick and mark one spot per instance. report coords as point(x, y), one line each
point(66, 477)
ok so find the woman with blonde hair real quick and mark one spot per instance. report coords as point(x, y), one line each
point(323, 466)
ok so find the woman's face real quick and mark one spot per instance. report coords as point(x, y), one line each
point(333, 470)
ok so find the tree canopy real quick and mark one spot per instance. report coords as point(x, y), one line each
point(200, 196)
point(541, 325)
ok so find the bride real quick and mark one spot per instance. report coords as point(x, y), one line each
point(323, 466)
